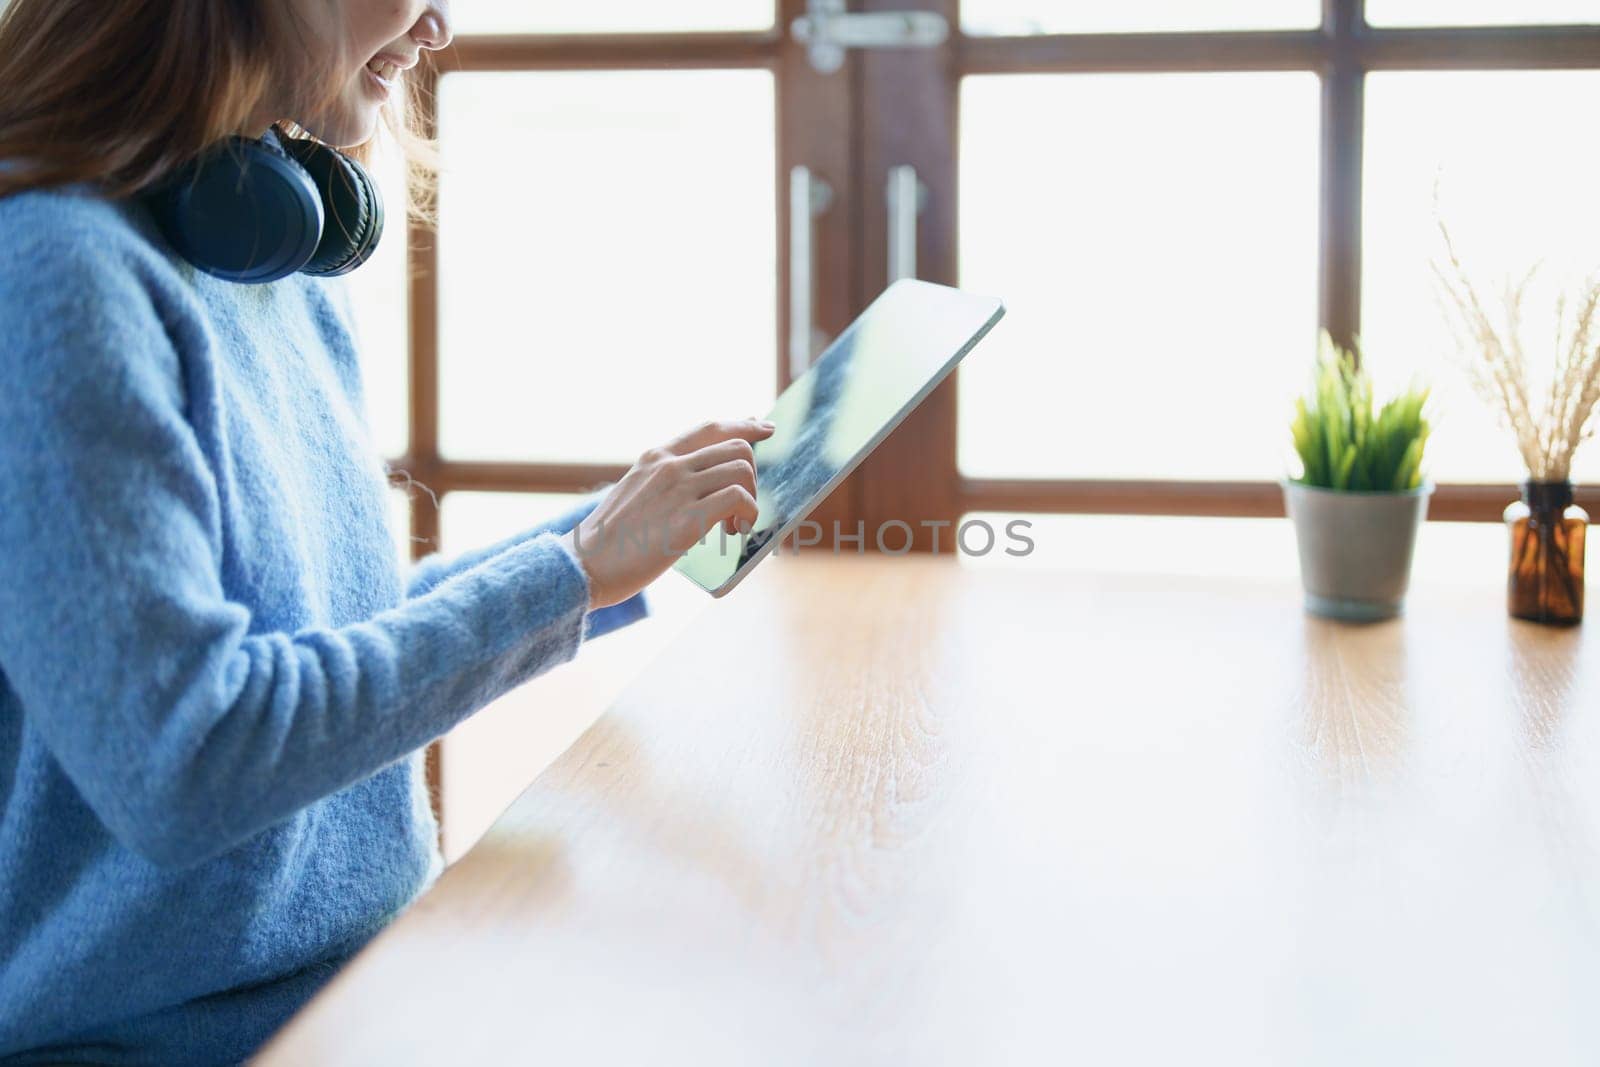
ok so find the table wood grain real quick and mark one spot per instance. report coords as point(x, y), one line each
point(916, 812)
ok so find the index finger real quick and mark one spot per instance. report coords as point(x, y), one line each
point(718, 430)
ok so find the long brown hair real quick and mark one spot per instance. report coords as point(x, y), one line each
point(120, 93)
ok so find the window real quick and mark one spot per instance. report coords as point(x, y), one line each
point(1174, 196)
point(1065, 145)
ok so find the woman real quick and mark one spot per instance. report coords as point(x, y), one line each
point(214, 680)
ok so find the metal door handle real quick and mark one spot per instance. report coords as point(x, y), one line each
point(906, 196)
point(809, 197)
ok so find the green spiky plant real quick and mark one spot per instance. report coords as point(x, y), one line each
point(1342, 445)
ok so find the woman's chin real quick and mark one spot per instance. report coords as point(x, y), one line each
point(348, 129)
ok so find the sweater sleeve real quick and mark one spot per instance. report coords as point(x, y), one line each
point(431, 570)
point(185, 732)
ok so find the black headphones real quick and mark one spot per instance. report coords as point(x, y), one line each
point(257, 211)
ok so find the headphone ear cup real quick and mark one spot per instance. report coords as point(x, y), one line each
point(245, 212)
point(352, 205)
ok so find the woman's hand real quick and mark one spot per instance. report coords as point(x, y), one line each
point(671, 498)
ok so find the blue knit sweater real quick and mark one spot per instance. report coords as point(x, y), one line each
point(215, 677)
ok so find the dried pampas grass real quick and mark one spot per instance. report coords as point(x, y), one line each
point(1550, 428)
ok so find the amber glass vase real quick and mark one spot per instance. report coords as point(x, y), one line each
point(1547, 536)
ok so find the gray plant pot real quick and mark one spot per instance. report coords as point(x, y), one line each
point(1355, 548)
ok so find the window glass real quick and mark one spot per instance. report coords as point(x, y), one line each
point(613, 16)
point(1022, 17)
point(607, 259)
point(1515, 172)
point(474, 520)
point(378, 295)
point(1155, 240)
point(400, 525)
point(1480, 12)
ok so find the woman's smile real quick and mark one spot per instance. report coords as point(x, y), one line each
point(369, 45)
point(382, 74)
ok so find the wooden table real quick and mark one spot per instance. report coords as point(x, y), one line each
point(916, 812)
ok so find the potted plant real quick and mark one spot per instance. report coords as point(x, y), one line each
point(1550, 415)
point(1360, 499)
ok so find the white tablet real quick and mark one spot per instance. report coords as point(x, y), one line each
point(860, 389)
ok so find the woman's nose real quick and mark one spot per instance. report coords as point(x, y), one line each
point(432, 30)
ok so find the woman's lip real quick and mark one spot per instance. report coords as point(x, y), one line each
point(400, 62)
point(377, 84)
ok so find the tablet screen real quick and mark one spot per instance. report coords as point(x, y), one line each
point(835, 414)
